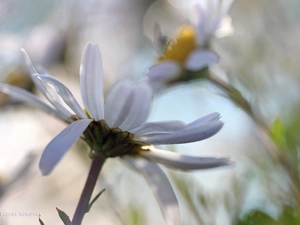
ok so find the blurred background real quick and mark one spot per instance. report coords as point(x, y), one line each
point(259, 57)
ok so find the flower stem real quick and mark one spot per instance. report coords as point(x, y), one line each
point(234, 94)
point(83, 204)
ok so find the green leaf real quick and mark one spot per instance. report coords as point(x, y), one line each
point(277, 133)
point(41, 222)
point(64, 217)
point(95, 199)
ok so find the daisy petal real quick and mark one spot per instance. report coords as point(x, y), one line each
point(31, 99)
point(118, 105)
point(51, 95)
point(56, 149)
point(159, 127)
point(163, 73)
point(205, 119)
point(63, 92)
point(183, 162)
point(28, 61)
point(161, 187)
point(200, 59)
point(187, 135)
point(140, 106)
point(128, 104)
point(91, 81)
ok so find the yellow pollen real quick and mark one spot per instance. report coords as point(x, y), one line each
point(180, 49)
point(147, 147)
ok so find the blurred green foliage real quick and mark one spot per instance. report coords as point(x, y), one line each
point(277, 132)
point(289, 216)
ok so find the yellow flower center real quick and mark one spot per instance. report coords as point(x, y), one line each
point(180, 49)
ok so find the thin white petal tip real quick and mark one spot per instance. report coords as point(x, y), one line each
point(28, 61)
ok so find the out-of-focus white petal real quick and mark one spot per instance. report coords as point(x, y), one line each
point(201, 21)
point(91, 81)
point(208, 17)
point(185, 136)
point(56, 149)
point(159, 127)
point(63, 92)
point(226, 28)
point(162, 73)
point(183, 162)
point(28, 61)
point(31, 99)
point(205, 119)
point(200, 59)
point(51, 96)
point(161, 187)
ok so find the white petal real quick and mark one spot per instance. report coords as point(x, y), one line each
point(91, 81)
point(56, 149)
point(162, 73)
point(200, 59)
point(201, 22)
point(127, 105)
point(117, 104)
point(185, 136)
point(31, 99)
point(159, 127)
point(205, 119)
point(51, 95)
point(161, 187)
point(28, 61)
point(140, 104)
point(64, 93)
point(183, 162)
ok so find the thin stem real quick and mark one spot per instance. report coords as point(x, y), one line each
point(83, 204)
point(274, 150)
point(234, 94)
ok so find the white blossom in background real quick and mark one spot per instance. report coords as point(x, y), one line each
point(211, 18)
point(190, 50)
point(117, 127)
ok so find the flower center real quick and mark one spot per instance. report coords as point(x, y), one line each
point(110, 142)
point(180, 49)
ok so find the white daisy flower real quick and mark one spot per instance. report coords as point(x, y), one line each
point(117, 127)
point(190, 50)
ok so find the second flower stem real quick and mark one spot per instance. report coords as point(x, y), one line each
point(240, 101)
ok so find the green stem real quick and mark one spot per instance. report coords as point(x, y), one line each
point(241, 102)
point(84, 201)
point(234, 94)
